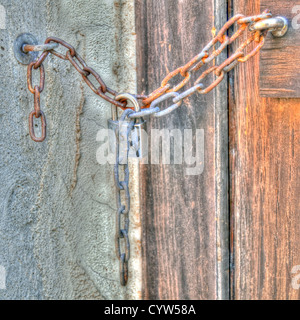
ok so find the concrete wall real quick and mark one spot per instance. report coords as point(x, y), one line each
point(57, 215)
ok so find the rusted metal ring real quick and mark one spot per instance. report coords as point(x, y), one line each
point(213, 85)
point(31, 127)
point(131, 98)
point(91, 71)
point(205, 74)
point(29, 77)
point(123, 271)
point(254, 51)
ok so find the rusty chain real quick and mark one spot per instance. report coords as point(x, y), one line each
point(37, 113)
point(84, 70)
point(166, 91)
point(148, 104)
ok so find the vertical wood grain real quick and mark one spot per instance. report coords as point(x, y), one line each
point(264, 166)
point(185, 217)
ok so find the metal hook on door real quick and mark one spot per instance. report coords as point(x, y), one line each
point(278, 26)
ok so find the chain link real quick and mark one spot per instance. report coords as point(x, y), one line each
point(122, 133)
point(36, 91)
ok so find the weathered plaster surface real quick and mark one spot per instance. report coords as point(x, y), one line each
point(57, 214)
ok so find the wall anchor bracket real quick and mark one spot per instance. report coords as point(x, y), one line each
point(20, 55)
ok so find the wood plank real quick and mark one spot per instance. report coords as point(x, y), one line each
point(185, 217)
point(280, 58)
point(264, 165)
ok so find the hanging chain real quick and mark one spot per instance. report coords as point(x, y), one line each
point(122, 133)
point(37, 113)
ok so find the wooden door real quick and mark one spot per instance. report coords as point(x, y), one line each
point(264, 176)
point(232, 231)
